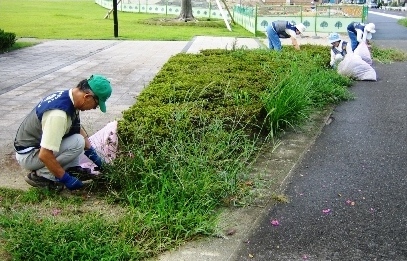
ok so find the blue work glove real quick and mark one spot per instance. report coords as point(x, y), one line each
point(70, 182)
point(93, 156)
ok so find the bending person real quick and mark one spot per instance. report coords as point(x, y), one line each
point(359, 32)
point(283, 29)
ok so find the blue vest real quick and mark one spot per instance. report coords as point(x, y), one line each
point(353, 26)
point(281, 26)
point(30, 131)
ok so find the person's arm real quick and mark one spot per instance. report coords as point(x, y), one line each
point(348, 48)
point(48, 158)
point(54, 125)
point(359, 35)
point(293, 37)
point(332, 62)
point(90, 151)
point(295, 42)
point(86, 137)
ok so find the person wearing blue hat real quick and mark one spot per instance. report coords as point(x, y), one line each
point(50, 139)
point(360, 32)
point(339, 48)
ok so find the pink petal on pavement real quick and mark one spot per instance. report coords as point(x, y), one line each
point(326, 211)
point(275, 222)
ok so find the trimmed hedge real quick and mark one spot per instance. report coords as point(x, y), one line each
point(6, 39)
point(227, 85)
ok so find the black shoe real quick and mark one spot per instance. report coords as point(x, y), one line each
point(83, 174)
point(40, 182)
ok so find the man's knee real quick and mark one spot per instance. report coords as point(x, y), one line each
point(80, 141)
point(73, 142)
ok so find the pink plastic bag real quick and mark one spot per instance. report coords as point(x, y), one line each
point(105, 142)
point(353, 66)
point(363, 51)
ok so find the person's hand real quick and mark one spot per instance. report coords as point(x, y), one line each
point(93, 156)
point(70, 182)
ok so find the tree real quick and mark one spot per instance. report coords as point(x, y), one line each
point(186, 11)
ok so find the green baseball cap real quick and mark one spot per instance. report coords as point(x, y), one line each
point(101, 87)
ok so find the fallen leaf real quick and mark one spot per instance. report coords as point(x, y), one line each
point(249, 183)
point(230, 232)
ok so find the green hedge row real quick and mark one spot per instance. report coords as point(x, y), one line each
point(6, 39)
point(228, 85)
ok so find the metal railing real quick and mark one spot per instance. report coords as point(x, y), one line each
point(321, 18)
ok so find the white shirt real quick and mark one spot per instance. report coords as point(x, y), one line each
point(335, 58)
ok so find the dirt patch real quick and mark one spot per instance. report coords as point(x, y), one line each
point(11, 174)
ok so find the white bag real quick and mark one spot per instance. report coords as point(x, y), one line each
point(363, 51)
point(353, 66)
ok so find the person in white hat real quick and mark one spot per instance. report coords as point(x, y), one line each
point(360, 32)
point(339, 48)
point(283, 29)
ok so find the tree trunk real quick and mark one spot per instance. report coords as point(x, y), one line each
point(186, 11)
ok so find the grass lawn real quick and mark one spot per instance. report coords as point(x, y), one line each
point(84, 19)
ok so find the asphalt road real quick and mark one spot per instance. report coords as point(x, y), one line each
point(386, 27)
point(348, 195)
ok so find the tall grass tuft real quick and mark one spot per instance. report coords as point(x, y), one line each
point(388, 55)
point(181, 183)
point(290, 101)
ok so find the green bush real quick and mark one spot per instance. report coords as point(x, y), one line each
point(6, 39)
point(402, 22)
point(228, 85)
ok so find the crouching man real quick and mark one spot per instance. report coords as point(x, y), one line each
point(50, 139)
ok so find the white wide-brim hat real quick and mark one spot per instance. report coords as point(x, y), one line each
point(370, 28)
